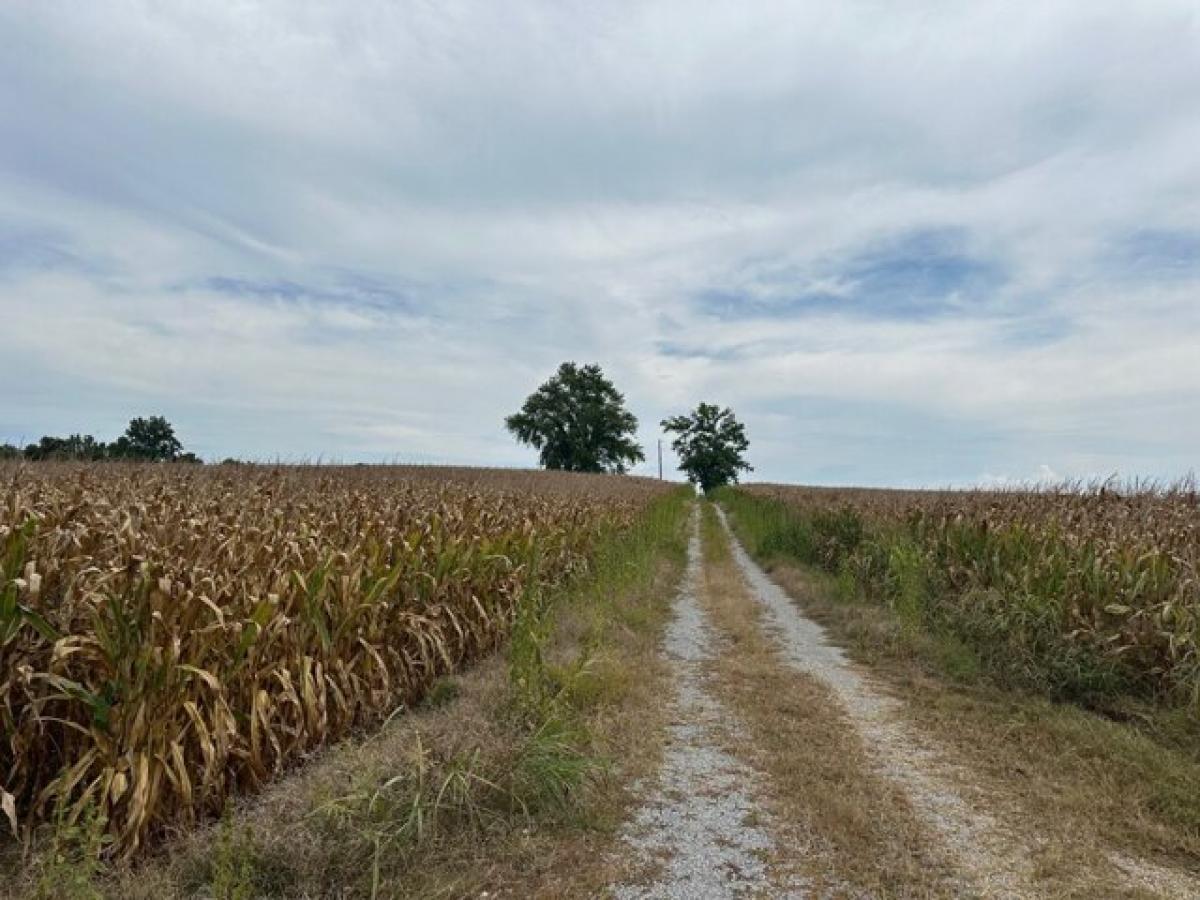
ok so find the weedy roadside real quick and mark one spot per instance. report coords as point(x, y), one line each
point(1108, 759)
point(1089, 594)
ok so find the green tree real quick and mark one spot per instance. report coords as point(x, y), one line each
point(710, 445)
point(10, 451)
point(150, 439)
point(578, 422)
point(77, 446)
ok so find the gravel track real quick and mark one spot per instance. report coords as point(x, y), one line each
point(699, 831)
point(987, 856)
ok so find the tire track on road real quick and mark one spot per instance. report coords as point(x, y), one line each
point(700, 832)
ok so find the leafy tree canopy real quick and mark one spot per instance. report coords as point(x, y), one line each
point(710, 445)
point(76, 446)
point(152, 438)
point(578, 422)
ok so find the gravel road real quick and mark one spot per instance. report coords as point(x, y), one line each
point(991, 860)
point(994, 859)
point(698, 833)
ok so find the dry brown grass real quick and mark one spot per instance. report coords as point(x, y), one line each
point(857, 832)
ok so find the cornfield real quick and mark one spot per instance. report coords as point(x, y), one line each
point(1082, 590)
point(171, 636)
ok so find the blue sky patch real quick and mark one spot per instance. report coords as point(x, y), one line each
point(24, 251)
point(349, 288)
point(1159, 254)
point(918, 275)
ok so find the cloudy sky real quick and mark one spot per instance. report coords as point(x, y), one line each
point(909, 243)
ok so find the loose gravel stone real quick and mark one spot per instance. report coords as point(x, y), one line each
point(700, 825)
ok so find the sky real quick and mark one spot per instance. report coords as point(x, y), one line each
point(908, 243)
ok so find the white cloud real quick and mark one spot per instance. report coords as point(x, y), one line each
point(535, 181)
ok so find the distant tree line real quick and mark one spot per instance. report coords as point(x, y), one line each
point(150, 439)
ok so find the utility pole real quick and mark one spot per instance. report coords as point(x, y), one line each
point(660, 459)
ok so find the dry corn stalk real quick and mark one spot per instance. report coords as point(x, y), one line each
point(172, 635)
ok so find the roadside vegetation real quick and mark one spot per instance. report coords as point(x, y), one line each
point(1048, 637)
point(1089, 595)
point(177, 637)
